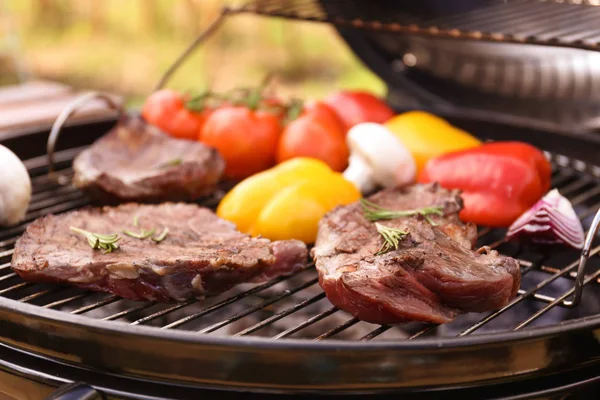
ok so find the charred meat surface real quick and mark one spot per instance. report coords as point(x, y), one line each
point(201, 254)
point(137, 162)
point(432, 276)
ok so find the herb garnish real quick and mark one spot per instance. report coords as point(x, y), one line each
point(144, 234)
point(373, 212)
point(171, 163)
point(162, 236)
point(97, 241)
point(391, 238)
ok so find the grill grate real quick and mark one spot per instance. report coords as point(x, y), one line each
point(296, 307)
point(547, 22)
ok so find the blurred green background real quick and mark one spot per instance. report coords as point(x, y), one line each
point(123, 46)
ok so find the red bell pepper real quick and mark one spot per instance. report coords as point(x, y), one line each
point(499, 180)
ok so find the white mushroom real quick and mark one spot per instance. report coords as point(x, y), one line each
point(377, 158)
point(15, 188)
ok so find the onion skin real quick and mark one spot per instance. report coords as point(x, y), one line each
point(551, 220)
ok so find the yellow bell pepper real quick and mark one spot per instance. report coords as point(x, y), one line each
point(288, 200)
point(427, 136)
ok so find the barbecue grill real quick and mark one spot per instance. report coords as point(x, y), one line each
point(283, 337)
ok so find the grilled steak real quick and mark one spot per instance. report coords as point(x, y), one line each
point(201, 255)
point(137, 162)
point(433, 276)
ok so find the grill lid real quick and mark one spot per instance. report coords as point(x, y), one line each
point(526, 58)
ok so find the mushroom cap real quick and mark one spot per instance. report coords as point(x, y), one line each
point(379, 149)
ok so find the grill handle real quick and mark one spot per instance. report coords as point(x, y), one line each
point(69, 110)
point(76, 391)
point(585, 255)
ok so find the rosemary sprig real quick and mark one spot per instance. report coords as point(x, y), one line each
point(373, 212)
point(97, 241)
point(171, 163)
point(162, 236)
point(143, 234)
point(391, 238)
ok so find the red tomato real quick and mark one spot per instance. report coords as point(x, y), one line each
point(246, 139)
point(317, 133)
point(166, 110)
point(354, 107)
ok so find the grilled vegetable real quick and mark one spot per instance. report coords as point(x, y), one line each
point(354, 107)
point(168, 110)
point(15, 188)
point(245, 137)
point(288, 200)
point(551, 220)
point(377, 158)
point(427, 136)
point(317, 133)
point(499, 181)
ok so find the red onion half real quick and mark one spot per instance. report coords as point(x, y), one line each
point(551, 220)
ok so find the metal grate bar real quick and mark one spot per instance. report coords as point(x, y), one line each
point(497, 14)
point(59, 191)
point(7, 276)
point(248, 311)
point(586, 195)
point(163, 312)
point(572, 26)
point(558, 300)
point(9, 242)
point(373, 334)
point(14, 287)
point(228, 301)
point(481, 233)
point(312, 320)
point(590, 211)
point(44, 180)
point(541, 297)
point(108, 300)
point(424, 331)
point(62, 207)
point(575, 186)
point(42, 204)
point(6, 253)
point(129, 311)
point(511, 19)
point(552, 270)
point(340, 328)
point(561, 178)
point(281, 314)
point(66, 300)
point(39, 294)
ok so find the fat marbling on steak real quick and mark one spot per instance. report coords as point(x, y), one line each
point(201, 254)
point(432, 277)
point(137, 162)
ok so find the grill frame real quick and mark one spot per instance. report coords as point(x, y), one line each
point(76, 340)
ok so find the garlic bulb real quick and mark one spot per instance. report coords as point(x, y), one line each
point(15, 188)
